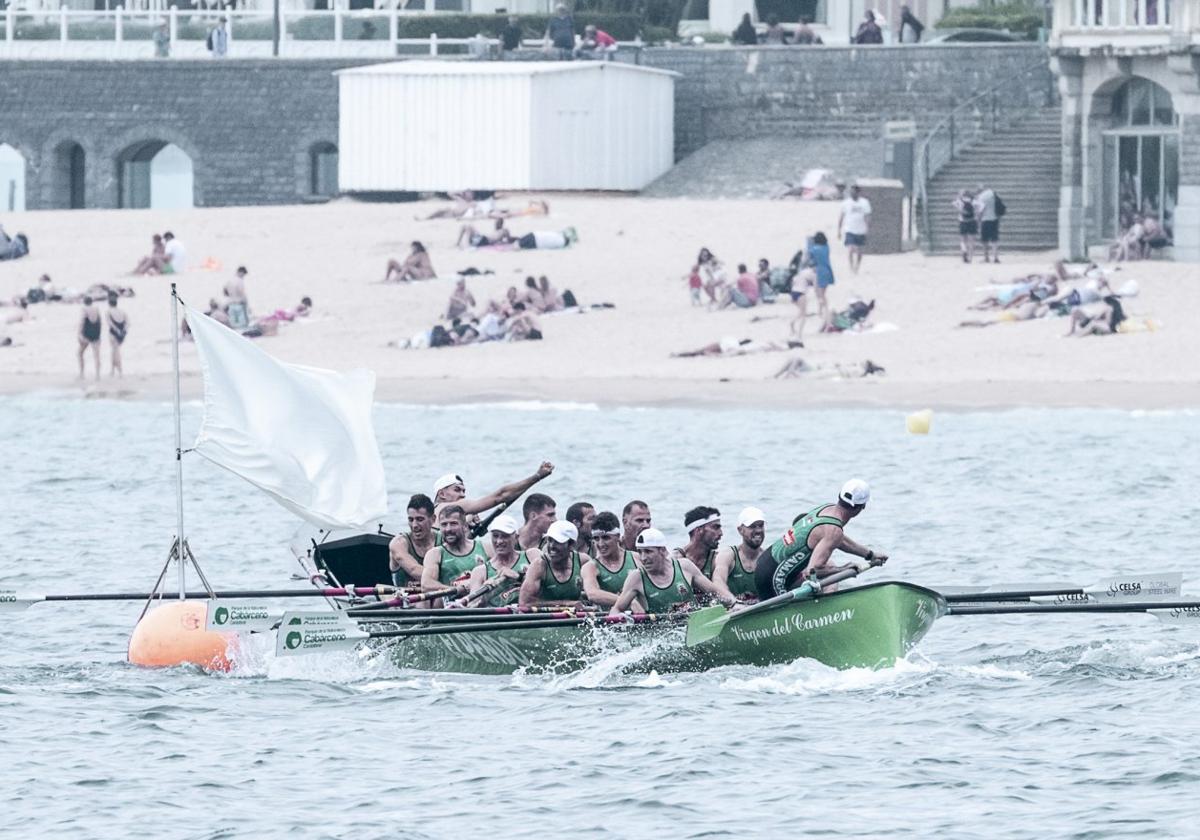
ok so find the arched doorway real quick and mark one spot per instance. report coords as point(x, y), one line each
point(323, 170)
point(1141, 157)
point(12, 179)
point(70, 164)
point(155, 174)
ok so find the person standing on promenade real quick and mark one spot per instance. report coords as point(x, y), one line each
point(909, 21)
point(162, 40)
point(988, 209)
point(510, 37)
point(560, 33)
point(745, 35)
point(868, 31)
point(218, 40)
point(856, 221)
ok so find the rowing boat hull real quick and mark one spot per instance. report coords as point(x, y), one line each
point(864, 627)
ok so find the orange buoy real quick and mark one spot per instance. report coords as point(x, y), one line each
point(173, 634)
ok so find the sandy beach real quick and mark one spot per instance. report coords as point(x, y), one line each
point(632, 253)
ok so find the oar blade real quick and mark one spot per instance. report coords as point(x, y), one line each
point(11, 601)
point(231, 616)
point(302, 633)
point(1188, 616)
point(1152, 586)
point(706, 624)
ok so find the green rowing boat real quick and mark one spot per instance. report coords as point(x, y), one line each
point(864, 627)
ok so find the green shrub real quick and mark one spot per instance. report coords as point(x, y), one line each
point(1018, 18)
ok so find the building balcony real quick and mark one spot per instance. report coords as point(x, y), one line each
point(1126, 27)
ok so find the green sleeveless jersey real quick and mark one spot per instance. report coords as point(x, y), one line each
point(791, 552)
point(678, 591)
point(614, 581)
point(456, 565)
point(570, 589)
point(740, 581)
point(706, 566)
point(506, 593)
point(400, 577)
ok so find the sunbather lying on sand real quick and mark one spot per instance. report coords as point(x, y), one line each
point(730, 346)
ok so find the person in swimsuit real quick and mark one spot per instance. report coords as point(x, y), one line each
point(461, 301)
point(554, 577)
point(418, 266)
point(663, 580)
point(118, 328)
point(805, 550)
point(475, 239)
point(456, 557)
point(406, 551)
point(605, 573)
point(89, 334)
point(703, 525)
point(504, 567)
point(735, 564)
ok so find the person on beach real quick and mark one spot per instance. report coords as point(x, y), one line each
point(552, 301)
point(89, 334)
point(713, 273)
point(635, 518)
point(968, 226)
point(540, 512)
point(504, 567)
point(176, 254)
point(407, 551)
point(581, 515)
point(474, 239)
point(118, 328)
point(734, 565)
point(156, 261)
point(988, 209)
point(604, 574)
point(451, 490)
point(806, 548)
point(817, 258)
point(554, 577)
point(548, 240)
point(461, 301)
point(417, 266)
point(524, 325)
point(1103, 321)
point(664, 581)
point(703, 525)
point(695, 285)
point(855, 220)
point(458, 554)
point(803, 281)
point(744, 293)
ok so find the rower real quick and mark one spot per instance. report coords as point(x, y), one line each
point(703, 525)
point(406, 551)
point(604, 574)
point(456, 556)
point(734, 565)
point(451, 489)
point(635, 518)
point(553, 577)
point(665, 580)
point(539, 511)
point(807, 546)
point(581, 515)
point(505, 565)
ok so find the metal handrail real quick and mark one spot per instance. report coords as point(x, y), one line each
point(945, 140)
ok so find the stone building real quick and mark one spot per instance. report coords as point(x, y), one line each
point(1129, 76)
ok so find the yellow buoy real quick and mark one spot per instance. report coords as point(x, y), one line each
point(918, 422)
point(173, 634)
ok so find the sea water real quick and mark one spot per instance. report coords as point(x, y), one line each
point(995, 727)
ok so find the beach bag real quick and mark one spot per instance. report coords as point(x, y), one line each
point(1001, 209)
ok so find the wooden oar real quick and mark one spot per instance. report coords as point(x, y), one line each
point(1172, 612)
point(13, 601)
point(404, 599)
point(708, 623)
point(1124, 588)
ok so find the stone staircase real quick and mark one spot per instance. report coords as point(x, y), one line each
point(1023, 164)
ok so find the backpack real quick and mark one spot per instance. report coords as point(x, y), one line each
point(208, 42)
point(1000, 208)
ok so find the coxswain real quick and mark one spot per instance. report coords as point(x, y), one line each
point(540, 512)
point(504, 566)
point(807, 546)
point(635, 518)
point(456, 556)
point(581, 515)
point(451, 489)
point(554, 576)
point(703, 525)
point(406, 551)
point(611, 562)
point(734, 565)
point(664, 580)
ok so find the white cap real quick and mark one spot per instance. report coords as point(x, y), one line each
point(504, 523)
point(651, 538)
point(562, 532)
point(749, 516)
point(448, 480)
point(855, 492)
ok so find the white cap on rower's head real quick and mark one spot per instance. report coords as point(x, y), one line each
point(562, 532)
point(749, 516)
point(855, 492)
point(448, 480)
point(504, 523)
point(651, 538)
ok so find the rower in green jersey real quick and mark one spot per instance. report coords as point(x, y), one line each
point(457, 555)
point(665, 580)
point(554, 576)
point(807, 546)
point(703, 525)
point(504, 568)
point(735, 564)
point(604, 574)
point(407, 551)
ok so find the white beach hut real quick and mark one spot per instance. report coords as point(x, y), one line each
point(530, 125)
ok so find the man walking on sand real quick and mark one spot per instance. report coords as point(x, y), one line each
point(855, 220)
point(988, 209)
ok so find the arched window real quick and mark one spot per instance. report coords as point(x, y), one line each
point(12, 179)
point(323, 170)
point(156, 174)
point(1140, 102)
point(70, 164)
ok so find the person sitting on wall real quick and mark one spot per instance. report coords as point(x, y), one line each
point(596, 44)
point(868, 31)
point(805, 36)
point(745, 35)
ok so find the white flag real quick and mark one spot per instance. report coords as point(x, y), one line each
point(304, 435)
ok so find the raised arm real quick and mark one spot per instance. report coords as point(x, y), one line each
point(507, 493)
